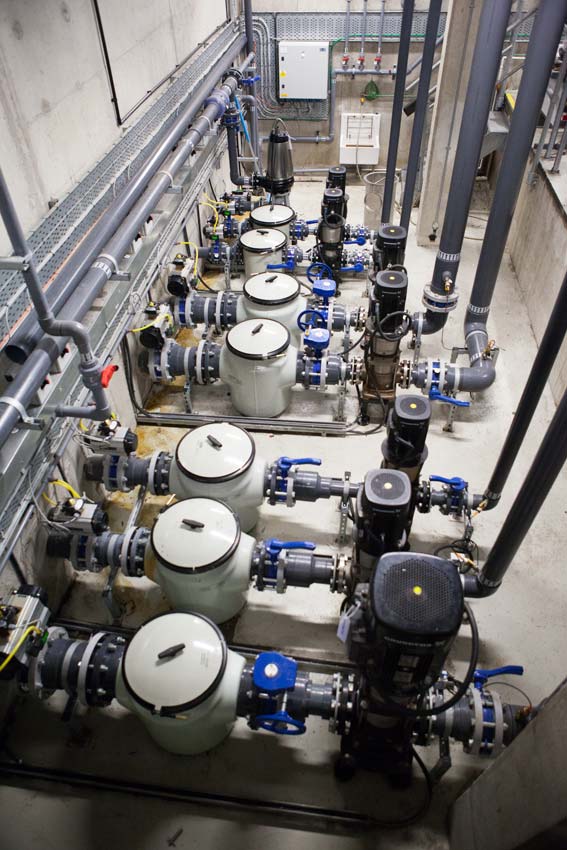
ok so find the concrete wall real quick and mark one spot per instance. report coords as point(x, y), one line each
point(348, 90)
point(56, 115)
point(523, 794)
point(538, 247)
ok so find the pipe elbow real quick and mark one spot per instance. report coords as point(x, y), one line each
point(475, 588)
point(429, 322)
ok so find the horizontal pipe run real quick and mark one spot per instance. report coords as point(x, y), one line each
point(23, 389)
point(76, 266)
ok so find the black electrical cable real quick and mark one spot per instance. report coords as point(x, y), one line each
point(206, 285)
point(395, 710)
point(462, 547)
point(355, 344)
point(402, 331)
point(306, 286)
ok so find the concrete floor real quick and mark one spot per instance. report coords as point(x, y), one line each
point(523, 624)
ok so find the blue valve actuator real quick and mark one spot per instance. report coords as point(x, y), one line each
point(482, 676)
point(324, 288)
point(436, 395)
point(313, 316)
point(274, 674)
point(457, 484)
point(316, 271)
point(285, 463)
point(318, 339)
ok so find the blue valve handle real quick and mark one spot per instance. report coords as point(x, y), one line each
point(481, 676)
point(456, 483)
point(281, 723)
point(360, 240)
point(315, 314)
point(436, 395)
point(285, 463)
point(322, 268)
point(312, 221)
point(289, 265)
point(358, 267)
point(274, 546)
point(249, 81)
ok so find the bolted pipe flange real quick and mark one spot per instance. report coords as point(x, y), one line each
point(403, 376)
point(439, 302)
point(357, 370)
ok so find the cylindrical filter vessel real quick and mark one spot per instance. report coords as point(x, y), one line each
point(220, 461)
point(259, 365)
point(179, 677)
point(273, 295)
point(261, 248)
point(273, 216)
point(202, 558)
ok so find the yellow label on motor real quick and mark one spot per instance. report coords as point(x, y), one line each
point(417, 590)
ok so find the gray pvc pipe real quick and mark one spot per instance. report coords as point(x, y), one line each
point(484, 71)
point(540, 58)
point(420, 110)
point(22, 390)
point(77, 265)
point(397, 107)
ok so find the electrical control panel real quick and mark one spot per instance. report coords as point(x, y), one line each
point(303, 70)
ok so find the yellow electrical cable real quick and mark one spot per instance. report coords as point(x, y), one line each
point(48, 500)
point(83, 427)
point(196, 249)
point(26, 634)
point(59, 482)
point(214, 209)
point(215, 203)
point(149, 325)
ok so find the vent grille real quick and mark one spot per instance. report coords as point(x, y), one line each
point(424, 607)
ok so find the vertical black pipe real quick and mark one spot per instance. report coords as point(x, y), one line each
point(422, 101)
point(397, 107)
point(544, 470)
point(484, 73)
point(540, 58)
point(547, 353)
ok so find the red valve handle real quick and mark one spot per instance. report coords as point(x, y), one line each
point(106, 375)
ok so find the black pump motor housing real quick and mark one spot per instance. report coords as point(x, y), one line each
point(417, 605)
point(390, 246)
point(382, 507)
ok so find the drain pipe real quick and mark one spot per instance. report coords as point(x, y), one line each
point(440, 295)
point(22, 390)
point(546, 356)
point(360, 60)
point(397, 107)
point(252, 100)
point(420, 110)
point(545, 468)
point(27, 335)
point(540, 58)
point(89, 367)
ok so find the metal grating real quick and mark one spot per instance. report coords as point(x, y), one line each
point(325, 26)
point(66, 225)
point(50, 442)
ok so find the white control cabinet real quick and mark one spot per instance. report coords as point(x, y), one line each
point(303, 70)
